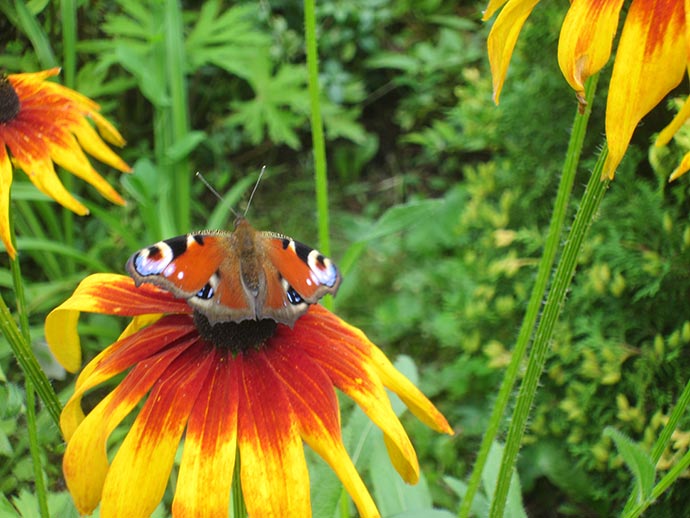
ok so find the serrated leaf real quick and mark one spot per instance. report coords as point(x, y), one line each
point(638, 461)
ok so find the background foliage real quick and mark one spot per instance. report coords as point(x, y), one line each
point(439, 200)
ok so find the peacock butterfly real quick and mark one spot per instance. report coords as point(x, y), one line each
point(241, 275)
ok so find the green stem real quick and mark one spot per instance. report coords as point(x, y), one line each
point(34, 446)
point(179, 118)
point(673, 474)
point(239, 510)
point(570, 164)
point(318, 141)
point(565, 270)
point(35, 450)
point(68, 13)
point(27, 362)
point(629, 511)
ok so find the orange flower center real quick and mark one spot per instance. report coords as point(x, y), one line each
point(238, 337)
point(9, 101)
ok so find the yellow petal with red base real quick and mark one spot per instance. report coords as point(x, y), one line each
point(138, 475)
point(85, 464)
point(33, 157)
point(315, 405)
point(651, 59)
point(70, 156)
point(122, 355)
point(208, 458)
point(5, 185)
point(346, 358)
point(102, 293)
point(502, 39)
point(587, 33)
point(273, 470)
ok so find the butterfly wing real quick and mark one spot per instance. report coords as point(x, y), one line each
point(240, 275)
point(201, 267)
point(305, 274)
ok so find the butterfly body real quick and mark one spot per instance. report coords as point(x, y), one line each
point(241, 275)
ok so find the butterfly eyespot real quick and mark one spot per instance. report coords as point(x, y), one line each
point(293, 297)
point(206, 292)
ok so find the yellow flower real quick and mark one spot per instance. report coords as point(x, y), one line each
point(256, 389)
point(651, 59)
point(42, 122)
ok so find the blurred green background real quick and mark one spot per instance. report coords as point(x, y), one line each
point(439, 205)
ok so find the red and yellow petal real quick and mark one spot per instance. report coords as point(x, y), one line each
point(346, 359)
point(123, 354)
point(587, 33)
point(5, 184)
point(102, 293)
point(85, 464)
point(503, 36)
point(138, 475)
point(651, 59)
point(315, 405)
point(69, 155)
point(33, 157)
point(208, 458)
point(273, 470)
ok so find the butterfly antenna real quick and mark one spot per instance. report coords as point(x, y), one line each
point(211, 188)
point(256, 185)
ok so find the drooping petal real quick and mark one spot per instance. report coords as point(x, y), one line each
point(94, 146)
point(70, 156)
point(208, 458)
point(651, 60)
point(273, 470)
point(177, 330)
point(85, 463)
point(102, 293)
point(33, 157)
point(136, 480)
point(414, 399)
point(346, 359)
point(669, 131)
point(586, 38)
point(5, 184)
point(502, 39)
point(494, 5)
point(315, 405)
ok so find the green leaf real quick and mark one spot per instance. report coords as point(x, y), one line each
point(394, 220)
point(391, 493)
point(183, 147)
point(33, 30)
point(638, 461)
point(480, 505)
point(229, 40)
point(514, 507)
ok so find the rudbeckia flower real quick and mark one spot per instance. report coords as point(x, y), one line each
point(42, 122)
point(651, 59)
point(253, 390)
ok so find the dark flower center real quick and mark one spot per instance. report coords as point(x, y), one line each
point(9, 100)
point(238, 337)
